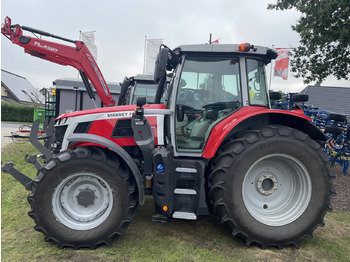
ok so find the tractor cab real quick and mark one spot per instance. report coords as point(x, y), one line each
point(139, 85)
point(208, 84)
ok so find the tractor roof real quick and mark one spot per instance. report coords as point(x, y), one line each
point(142, 77)
point(229, 48)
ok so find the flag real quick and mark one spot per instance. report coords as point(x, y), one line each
point(282, 61)
point(89, 39)
point(151, 52)
point(215, 42)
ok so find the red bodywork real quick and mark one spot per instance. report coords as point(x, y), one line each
point(78, 57)
point(116, 109)
point(221, 130)
point(107, 110)
point(103, 126)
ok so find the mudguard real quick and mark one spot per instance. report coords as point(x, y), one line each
point(252, 116)
point(117, 149)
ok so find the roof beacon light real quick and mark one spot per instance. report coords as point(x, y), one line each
point(245, 47)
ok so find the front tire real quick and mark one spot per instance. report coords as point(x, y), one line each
point(271, 186)
point(83, 198)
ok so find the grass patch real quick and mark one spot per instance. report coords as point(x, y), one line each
point(179, 240)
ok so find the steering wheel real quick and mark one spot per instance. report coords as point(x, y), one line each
point(193, 97)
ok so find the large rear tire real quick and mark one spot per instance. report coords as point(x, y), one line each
point(271, 186)
point(83, 198)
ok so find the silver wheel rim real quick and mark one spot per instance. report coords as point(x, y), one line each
point(82, 201)
point(277, 189)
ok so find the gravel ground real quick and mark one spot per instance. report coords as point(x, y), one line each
point(342, 187)
point(6, 131)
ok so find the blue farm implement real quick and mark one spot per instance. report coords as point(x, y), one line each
point(336, 127)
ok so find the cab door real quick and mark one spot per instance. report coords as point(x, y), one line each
point(209, 89)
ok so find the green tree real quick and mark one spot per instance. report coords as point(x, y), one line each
point(324, 28)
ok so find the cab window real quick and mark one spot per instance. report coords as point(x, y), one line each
point(144, 89)
point(209, 90)
point(256, 78)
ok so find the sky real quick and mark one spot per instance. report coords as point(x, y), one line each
point(121, 27)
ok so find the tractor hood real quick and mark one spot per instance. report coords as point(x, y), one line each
point(112, 123)
point(113, 109)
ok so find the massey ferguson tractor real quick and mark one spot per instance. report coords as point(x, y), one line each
point(214, 146)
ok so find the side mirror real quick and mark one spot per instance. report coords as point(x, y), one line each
point(160, 90)
point(272, 54)
point(160, 64)
point(275, 95)
point(141, 101)
point(123, 90)
point(180, 113)
point(297, 98)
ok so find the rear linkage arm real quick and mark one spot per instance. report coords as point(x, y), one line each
point(44, 149)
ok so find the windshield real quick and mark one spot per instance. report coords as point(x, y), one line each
point(209, 90)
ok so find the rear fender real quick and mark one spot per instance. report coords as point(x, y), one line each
point(238, 122)
point(101, 141)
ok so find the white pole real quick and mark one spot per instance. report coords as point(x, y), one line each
point(144, 57)
point(273, 47)
point(79, 40)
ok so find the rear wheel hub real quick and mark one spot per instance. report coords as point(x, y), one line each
point(86, 197)
point(267, 184)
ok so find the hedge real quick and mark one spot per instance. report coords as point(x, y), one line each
point(16, 112)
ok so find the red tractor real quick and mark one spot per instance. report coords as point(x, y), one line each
point(214, 146)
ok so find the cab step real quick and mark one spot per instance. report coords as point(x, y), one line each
point(185, 191)
point(184, 215)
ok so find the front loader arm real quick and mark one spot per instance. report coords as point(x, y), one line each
point(78, 57)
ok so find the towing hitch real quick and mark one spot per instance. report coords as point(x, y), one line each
point(44, 149)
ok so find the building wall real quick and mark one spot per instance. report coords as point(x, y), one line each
point(329, 98)
point(3, 91)
point(8, 95)
point(71, 100)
